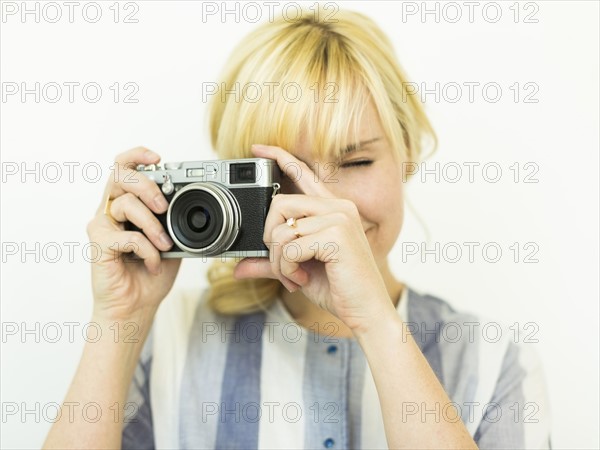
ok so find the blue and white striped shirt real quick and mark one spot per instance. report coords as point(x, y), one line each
point(262, 381)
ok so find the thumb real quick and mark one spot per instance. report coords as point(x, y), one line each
point(253, 268)
point(260, 268)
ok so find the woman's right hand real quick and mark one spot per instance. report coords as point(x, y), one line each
point(127, 288)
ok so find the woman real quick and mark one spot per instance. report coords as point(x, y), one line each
point(317, 346)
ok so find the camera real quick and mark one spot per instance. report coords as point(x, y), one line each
point(216, 208)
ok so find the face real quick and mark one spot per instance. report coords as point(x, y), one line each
point(369, 174)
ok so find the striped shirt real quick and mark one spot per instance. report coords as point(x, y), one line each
point(262, 381)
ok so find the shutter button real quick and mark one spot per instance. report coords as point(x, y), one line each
point(332, 349)
point(328, 443)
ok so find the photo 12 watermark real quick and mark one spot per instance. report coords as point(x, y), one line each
point(51, 412)
point(524, 172)
point(270, 411)
point(472, 91)
point(472, 252)
point(254, 12)
point(69, 92)
point(270, 91)
point(469, 412)
point(70, 332)
point(28, 12)
point(449, 12)
point(470, 331)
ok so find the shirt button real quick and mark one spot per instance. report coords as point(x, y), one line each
point(328, 443)
point(332, 349)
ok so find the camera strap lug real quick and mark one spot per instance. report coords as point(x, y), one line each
point(276, 187)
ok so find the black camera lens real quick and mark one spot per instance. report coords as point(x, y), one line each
point(204, 218)
point(198, 219)
point(195, 217)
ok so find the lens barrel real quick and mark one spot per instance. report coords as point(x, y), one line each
point(204, 218)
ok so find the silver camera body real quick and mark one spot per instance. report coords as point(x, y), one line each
point(216, 208)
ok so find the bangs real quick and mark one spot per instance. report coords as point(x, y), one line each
point(305, 85)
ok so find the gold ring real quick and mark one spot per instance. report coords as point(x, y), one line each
point(291, 222)
point(107, 213)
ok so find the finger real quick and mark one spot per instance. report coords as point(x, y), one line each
point(297, 171)
point(137, 155)
point(114, 244)
point(284, 233)
point(282, 254)
point(259, 268)
point(129, 180)
point(128, 207)
point(279, 238)
point(319, 246)
point(129, 159)
point(282, 236)
point(253, 268)
point(298, 206)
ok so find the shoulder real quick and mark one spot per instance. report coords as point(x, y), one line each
point(434, 322)
point(457, 342)
point(426, 307)
point(439, 328)
point(479, 361)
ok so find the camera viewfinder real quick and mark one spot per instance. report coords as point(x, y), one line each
point(242, 173)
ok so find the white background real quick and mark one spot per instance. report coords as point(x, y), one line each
point(171, 51)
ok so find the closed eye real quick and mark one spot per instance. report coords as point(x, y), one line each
point(362, 162)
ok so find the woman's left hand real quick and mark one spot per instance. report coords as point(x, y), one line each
point(325, 253)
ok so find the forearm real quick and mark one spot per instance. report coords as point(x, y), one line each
point(103, 377)
point(405, 381)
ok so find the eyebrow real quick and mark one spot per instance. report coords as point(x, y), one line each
point(355, 147)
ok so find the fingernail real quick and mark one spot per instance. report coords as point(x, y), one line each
point(259, 146)
point(149, 154)
point(290, 287)
point(160, 202)
point(165, 240)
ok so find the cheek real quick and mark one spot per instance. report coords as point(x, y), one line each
point(381, 202)
point(388, 211)
point(391, 210)
point(389, 190)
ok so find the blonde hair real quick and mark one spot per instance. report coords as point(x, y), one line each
point(307, 74)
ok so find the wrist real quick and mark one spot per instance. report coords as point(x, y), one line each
point(384, 321)
point(127, 330)
point(390, 332)
point(143, 316)
point(116, 344)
